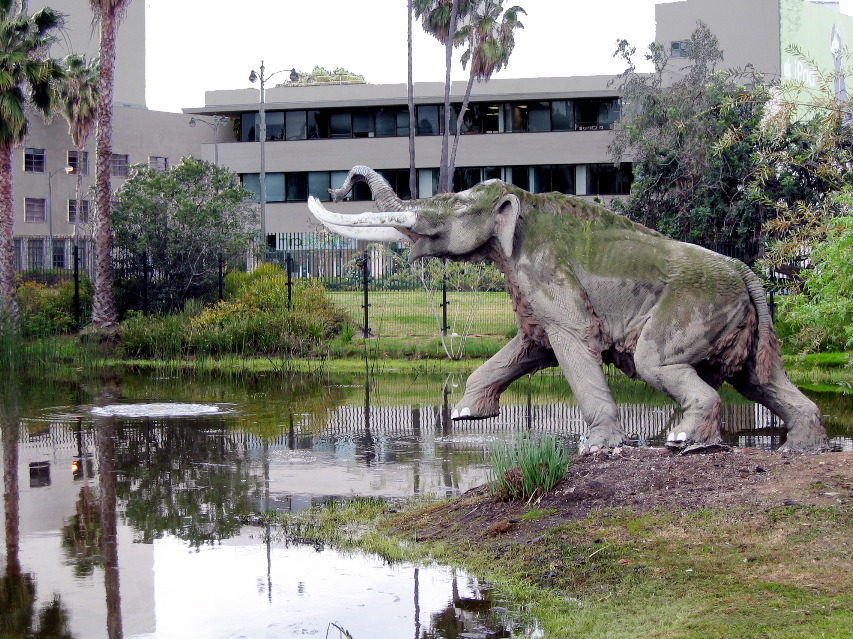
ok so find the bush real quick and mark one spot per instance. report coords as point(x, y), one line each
point(48, 309)
point(527, 470)
point(252, 320)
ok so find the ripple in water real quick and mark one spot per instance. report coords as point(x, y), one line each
point(157, 409)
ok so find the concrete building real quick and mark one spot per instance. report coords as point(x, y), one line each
point(543, 134)
point(44, 193)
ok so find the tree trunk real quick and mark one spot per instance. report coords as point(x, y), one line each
point(8, 298)
point(445, 181)
point(105, 433)
point(413, 172)
point(11, 491)
point(103, 303)
point(459, 119)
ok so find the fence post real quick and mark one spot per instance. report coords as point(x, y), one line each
point(365, 275)
point(288, 264)
point(145, 282)
point(444, 296)
point(221, 281)
point(76, 254)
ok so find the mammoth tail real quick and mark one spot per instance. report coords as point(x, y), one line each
point(767, 347)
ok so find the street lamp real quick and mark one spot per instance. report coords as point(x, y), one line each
point(217, 121)
point(68, 170)
point(294, 76)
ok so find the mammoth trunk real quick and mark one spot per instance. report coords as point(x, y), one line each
point(383, 194)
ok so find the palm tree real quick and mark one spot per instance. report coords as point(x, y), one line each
point(490, 42)
point(26, 77)
point(78, 97)
point(413, 175)
point(104, 316)
point(440, 19)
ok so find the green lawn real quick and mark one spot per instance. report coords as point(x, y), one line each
point(412, 313)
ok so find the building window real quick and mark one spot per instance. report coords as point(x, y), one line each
point(158, 163)
point(607, 179)
point(119, 165)
point(678, 49)
point(596, 114)
point(296, 186)
point(319, 183)
point(554, 177)
point(34, 161)
point(249, 126)
point(274, 121)
point(429, 117)
point(295, 125)
point(35, 253)
point(273, 186)
point(84, 211)
point(35, 210)
point(340, 124)
point(81, 166)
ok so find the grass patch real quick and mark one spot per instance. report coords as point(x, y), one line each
point(410, 313)
point(712, 573)
point(527, 469)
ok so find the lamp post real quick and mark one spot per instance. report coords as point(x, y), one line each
point(217, 121)
point(68, 170)
point(294, 76)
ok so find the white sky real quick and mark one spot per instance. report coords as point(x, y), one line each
point(195, 46)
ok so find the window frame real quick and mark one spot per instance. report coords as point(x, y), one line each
point(33, 205)
point(35, 160)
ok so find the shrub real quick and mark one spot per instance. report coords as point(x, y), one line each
point(48, 309)
point(253, 319)
point(527, 469)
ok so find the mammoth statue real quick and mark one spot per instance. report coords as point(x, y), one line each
point(592, 287)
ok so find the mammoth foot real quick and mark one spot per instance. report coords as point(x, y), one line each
point(464, 411)
point(686, 441)
point(598, 441)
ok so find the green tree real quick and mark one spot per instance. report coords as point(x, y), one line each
point(410, 94)
point(179, 221)
point(108, 13)
point(78, 100)
point(26, 78)
point(689, 172)
point(490, 39)
point(822, 308)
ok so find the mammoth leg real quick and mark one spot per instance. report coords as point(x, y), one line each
point(586, 378)
point(798, 413)
point(700, 423)
point(483, 389)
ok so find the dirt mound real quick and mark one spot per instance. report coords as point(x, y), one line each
point(643, 478)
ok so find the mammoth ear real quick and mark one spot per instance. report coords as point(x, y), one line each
point(506, 219)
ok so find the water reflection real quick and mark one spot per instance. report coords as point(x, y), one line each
point(137, 516)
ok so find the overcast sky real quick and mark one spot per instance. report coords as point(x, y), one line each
point(195, 46)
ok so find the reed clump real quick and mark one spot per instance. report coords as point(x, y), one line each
point(528, 469)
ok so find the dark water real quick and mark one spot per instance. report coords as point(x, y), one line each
point(180, 465)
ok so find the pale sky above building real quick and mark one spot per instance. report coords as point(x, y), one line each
point(195, 46)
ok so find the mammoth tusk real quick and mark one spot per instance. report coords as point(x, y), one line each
point(369, 233)
point(403, 219)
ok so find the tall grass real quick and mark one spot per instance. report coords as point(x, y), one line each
point(528, 469)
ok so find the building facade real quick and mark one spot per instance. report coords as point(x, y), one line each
point(44, 191)
point(542, 134)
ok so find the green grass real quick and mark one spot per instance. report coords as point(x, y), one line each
point(410, 313)
point(528, 468)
